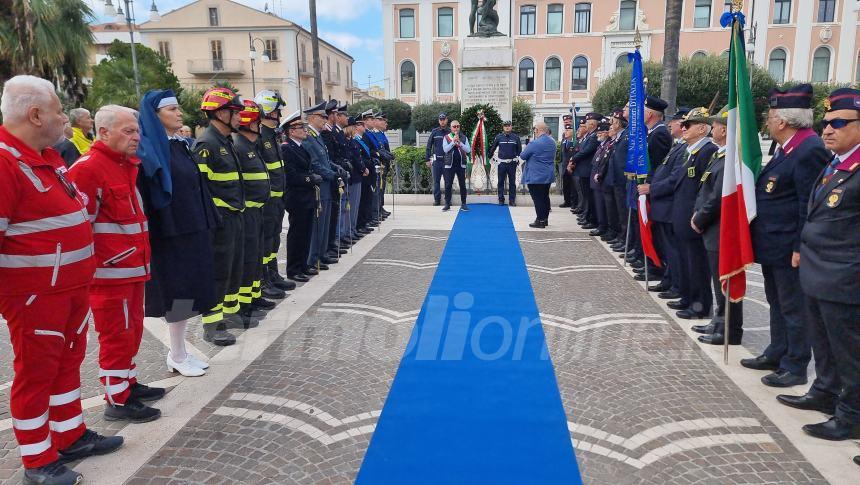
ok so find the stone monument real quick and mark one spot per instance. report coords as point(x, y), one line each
point(487, 64)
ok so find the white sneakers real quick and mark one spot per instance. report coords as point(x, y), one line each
point(190, 367)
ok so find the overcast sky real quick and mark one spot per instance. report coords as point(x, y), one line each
point(356, 30)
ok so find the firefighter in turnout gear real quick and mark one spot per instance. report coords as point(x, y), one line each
point(270, 104)
point(107, 175)
point(255, 179)
point(216, 158)
point(46, 266)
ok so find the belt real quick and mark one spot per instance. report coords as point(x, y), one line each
point(507, 160)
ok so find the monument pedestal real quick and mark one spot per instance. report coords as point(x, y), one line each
point(487, 66)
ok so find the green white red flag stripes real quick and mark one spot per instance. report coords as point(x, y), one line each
point(742, 167)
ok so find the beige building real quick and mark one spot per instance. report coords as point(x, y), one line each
point(103, 36)
point(563, 49)
point(220, 40)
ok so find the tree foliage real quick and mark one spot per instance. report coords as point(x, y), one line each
point(700, 80)
point(492, 121)
point(47, 38)
point(399, 114)
point(522, 117)
point(189, 101)
point(425, 117)
point(113, 78)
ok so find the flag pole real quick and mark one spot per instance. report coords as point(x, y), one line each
point(727, 322)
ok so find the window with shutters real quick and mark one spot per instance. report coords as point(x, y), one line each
point(271, 49)
point(164, 49)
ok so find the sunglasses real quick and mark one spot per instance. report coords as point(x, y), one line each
point(837, 123)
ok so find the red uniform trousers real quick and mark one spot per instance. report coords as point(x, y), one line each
point(118, 315)
point(49, 339)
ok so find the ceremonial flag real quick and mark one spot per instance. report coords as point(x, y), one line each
point(479, 145)
point(637, 153)
point(574, 109)
point(742, 166)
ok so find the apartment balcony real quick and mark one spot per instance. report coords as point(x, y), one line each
point(220, 67)
point(306, 69)
point(332, 80)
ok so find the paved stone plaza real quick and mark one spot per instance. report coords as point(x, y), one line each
point(297, 400)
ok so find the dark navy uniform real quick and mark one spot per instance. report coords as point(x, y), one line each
point(301, 203)
point(695, 285)
point(661, 194)
point(509, 146)
point(618, 180)
point(255, 179)
point(568, 188)
point(436, 155)
point(582, 161)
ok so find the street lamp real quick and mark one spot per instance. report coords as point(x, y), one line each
point(128, 17)
point(252, 54)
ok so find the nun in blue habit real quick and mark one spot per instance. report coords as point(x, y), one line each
point(181, 218)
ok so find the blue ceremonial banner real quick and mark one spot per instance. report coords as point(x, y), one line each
point(637, 153)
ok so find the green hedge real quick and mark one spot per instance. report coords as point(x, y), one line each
point(407, 159)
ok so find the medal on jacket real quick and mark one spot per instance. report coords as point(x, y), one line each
point(771, 184)
point(835, 198)
point(691, 172)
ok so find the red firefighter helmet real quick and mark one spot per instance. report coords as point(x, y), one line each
point(250, 113)
point(220, 98)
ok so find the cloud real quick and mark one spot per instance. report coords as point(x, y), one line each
point(350, 42)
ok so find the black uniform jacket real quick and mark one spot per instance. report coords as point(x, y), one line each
point(584, 155)
point(687, 186)
point(663, 183)
point(830, 241)
point(782, 195)
point(297, 168)
point(659, 142)
point(270, 150)
point(217, 159)
point(709, 201)
point(255, 177)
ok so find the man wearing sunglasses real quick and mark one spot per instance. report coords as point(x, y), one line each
point(830, 275)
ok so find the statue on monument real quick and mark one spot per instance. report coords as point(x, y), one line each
point(488, 25)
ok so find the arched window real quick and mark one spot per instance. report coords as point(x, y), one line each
point(552, 75)
point(627, 15)
point(407, 78)
point(821, 65)
point(579, 74)
point(527, 75)
point(407, 23)
point(776, 65)
point(446, 77)
point(621, 61)
point(699, 55)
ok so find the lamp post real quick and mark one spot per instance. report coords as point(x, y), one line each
point(128, 17)
point(252, 54)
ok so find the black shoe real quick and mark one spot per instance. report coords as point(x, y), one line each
point(807, 402)
point(446, 208)
point(132, 411)
point(565, 205)
point(322, 266)
point(501, 202)
point(608, 237)
point(641, 277)
point(512, 203)
point(589, 225)
point(760, 363)
point(436, 202)
point(89, 444)
point(55, 473)
point(364, 231)
point(834, 429)
point(783, 378)
point(327, 260)
point(669, 295)
point(298, 277)
point(677, 305)
point(688, 314)
point(576, 210)
point(661, 287)
point(857, 459)
point(464, 208)
point(218, 336)
point(613, 241)
point(144, 393)
point(538, 224)
point(262, 304)
point(703, 329)
point(245, 319)
point(273, 293)
point(639, 270)
point(284, 285)
point(311, 271)
point(718, 339)
point(597, 232)
point(341, 251)
point(618, 248)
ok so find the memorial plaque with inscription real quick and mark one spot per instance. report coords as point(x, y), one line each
point(488, 87)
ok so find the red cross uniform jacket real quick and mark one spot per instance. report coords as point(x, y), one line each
point(46, 244)
point(108, 179)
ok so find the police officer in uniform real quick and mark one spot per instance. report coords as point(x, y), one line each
point(618, 180)
point(510, 147)
point(696, 298)
point(217, 159)
point(255, 180)
point(270, 104)
point(301, 199)
point(338, 164)
point(830, 275)
point(782, 195)
point(322, 166)
point(582, 170)
point(568, 148)
point(435, 156)
point(352, 192)
point(369, 197)
point(706, 221)
point(385, 157)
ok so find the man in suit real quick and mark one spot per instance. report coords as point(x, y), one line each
point(435, 156)
point(830, 275)
point(301, 201)
point(661, 190)
point(696, 298)
point(706, 221)
point(322, 166)
point(617, 179)
point(782, 194)
point(582, 170)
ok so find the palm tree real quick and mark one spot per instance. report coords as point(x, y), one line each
point(47, 38)
point(315, 50)
point(671, 53)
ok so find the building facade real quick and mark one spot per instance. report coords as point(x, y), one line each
point(211, 40)
point(563, 49)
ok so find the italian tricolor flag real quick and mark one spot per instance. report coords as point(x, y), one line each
point(742, 167)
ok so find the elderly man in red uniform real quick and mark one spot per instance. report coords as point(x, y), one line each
point(107, 174)
point(46, 266)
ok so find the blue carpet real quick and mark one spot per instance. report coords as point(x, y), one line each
point(475, 399)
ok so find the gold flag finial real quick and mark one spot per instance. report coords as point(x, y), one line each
point(637, 39)
point(737, 5)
